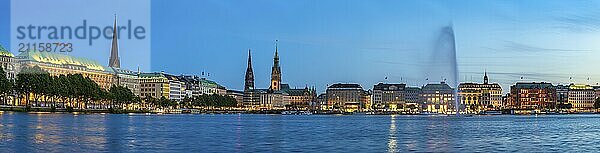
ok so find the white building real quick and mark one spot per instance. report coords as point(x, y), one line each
point(176, 88)
point(582, 96)
point(8, 63)
point(211, 87)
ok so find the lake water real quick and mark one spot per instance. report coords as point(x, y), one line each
point(23, 132)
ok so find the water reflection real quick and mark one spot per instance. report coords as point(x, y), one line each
point(22, 132)
point(392, 139)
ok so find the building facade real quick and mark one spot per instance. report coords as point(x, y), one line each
point(8, 63)
point(321, 102)
point(437, 98)
point(273, 100)
point(387, 97)
point(191, 84)
point(562, 96)
point(581, 97)
point(533, 95)
point(237, 95)
point(476, 97)
point(597, 90)
point(210, 87)
point(344, 97)
point(128, 79)
point(299, 98)
point(154, 85)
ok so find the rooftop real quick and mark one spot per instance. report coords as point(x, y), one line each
point(436, 86)
point(345, 85)
point(61, 59)
point(386, 86)
point(533, 85)
point(5, 52)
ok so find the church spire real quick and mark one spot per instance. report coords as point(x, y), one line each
point(114, 60)
point(249, 85)
point(485, 78)
point(276, 70)
point(276, 57)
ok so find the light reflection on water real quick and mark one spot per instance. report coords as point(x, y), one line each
point(392, 140)
point(22, 132)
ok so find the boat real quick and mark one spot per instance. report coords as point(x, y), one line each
point(296, 113)
point(428, 113)
point(491, 112)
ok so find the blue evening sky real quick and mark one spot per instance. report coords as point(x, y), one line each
point(358, 41)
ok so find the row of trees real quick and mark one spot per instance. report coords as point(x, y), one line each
point(205, 100)
point(72, 90)
point(38, 88)
point(6, 86)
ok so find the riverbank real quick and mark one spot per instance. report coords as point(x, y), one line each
point(68, 110)
point(272, 112)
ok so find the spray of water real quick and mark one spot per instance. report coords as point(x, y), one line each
point(443, 62)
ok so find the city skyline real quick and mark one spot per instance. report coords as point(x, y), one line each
point(299, 76)
point(366, 46)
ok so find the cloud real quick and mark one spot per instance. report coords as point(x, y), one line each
point(586, 22)
point(520, 47)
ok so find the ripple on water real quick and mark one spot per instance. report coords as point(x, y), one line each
point(276, 133)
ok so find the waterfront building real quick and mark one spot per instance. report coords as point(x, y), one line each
point(211, 87)
point(387, 97)
point(507, 101)
point(597, 90)
point(128, 79)
point(412, 95)
point(581, 97)
point(176, 87)
point(562, 96)
point(154, 85)
point(533, 95)
point(476, 97)
point(237, 95)
point(344, 97)
point(322, 102)
point(273, 100)
point(437, 97)
point(8, 63)
point(60, 64)
point(366, 101)
point(299, 98)
point(191, 84)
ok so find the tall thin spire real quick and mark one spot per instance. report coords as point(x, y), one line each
point(276, 57)
point(249, 85)
point(114, 60)
point(249, 58)
point(276, 70)
point(485, 78)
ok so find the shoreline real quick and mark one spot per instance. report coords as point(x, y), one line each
point(271, 112)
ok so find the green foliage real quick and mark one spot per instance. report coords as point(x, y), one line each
point(68, 88)
point(213, 100)
point(597, 103)
point(121, 95)
point(5, 84)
